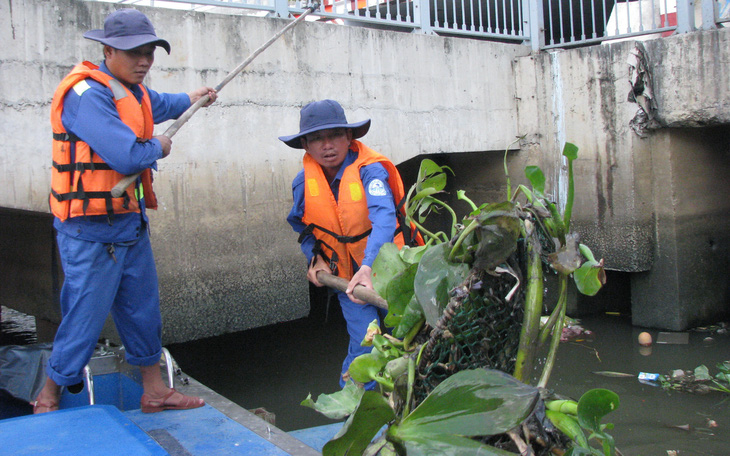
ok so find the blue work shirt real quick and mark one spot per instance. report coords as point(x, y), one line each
point(381, 208)
point(93, 117)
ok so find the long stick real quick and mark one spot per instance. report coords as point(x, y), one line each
point(126, 181)
point(360, 292)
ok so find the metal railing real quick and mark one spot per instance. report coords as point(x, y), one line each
point(541, 24)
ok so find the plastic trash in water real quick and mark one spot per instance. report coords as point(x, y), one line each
point(649, 378)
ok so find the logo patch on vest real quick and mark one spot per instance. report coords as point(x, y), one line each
point(376, 188)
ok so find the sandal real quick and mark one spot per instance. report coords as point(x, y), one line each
point(43, 407)
point(149, 405)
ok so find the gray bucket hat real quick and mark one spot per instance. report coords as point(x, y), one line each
point(127, 29)
point(323, 115)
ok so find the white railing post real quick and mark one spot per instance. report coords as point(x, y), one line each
point(709, 14)
point(422, 15)
point(685, 16)
point(534, 24)
point(281, 8)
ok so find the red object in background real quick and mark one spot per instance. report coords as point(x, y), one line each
point(668, 20)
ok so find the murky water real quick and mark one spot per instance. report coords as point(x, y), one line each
point(16, 328)
point(650, 420)
point(276, 367)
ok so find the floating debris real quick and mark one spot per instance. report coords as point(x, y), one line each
point(614, 374)
point(680, 338)
point(644, 339)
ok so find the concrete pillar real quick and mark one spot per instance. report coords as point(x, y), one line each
point(688, 281)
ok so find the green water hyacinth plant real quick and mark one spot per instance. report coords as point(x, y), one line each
point(466, 413)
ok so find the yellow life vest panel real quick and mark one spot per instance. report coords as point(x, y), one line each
point(341, 226)
point(81, 181)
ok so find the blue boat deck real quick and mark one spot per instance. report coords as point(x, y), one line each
point(105, 430)
point(115, 425)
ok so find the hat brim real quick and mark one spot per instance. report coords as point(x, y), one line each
point(359, 129)
point(125, 43)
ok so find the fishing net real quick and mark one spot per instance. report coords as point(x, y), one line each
point(481, 329)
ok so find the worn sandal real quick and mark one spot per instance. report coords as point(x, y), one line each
point(43, 407)
point(149, 405)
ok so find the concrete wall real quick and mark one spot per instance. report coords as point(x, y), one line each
point(226, 258)
point(653, 205)
point(228, 261)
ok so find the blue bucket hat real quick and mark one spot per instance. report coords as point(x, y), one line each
point(323, 115)
point(126, 29)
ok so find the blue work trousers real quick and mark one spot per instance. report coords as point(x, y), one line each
point(120, 278)
point(358, 317)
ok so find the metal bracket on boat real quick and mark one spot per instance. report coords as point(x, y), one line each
point(89, 384)
point(170, 367)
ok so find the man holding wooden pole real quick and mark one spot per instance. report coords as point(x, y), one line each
point(344, 208)
point(102, 119)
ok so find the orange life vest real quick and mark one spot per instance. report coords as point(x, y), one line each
point(83, 186)
point(342, 226)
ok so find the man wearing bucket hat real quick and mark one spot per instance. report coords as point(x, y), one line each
point(346, 206)
point(102, 119)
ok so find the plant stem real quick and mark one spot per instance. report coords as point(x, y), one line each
point(454, 219)
point(567, 213)
point(557, 331)
point(421, 228)
point(472, 226)
point(547, 329)
point(527, 350)
point(411, 380)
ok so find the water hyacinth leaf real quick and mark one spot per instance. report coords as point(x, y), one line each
point(392, 320)
point(431, 175)
point(470, 403)
point(589, 278)
point(537, 179)
point(435, 278)
point(366, 367)
point(702, 373)
point(371, 414)
point(372, 329)
point(449, 445)
point(567, 259)
point(387, 265)
point(386, 347)
point(412, 255)
point(568, 426)
point(337, 405)
point(399, 290)
point(425, 206)
point(594, 405)
point(412, 317)
point(564, 405)
point(587, 253)
point(528, 193)
point(425, 195)
point(497, 234)
point(396, 367)
point(570, 151)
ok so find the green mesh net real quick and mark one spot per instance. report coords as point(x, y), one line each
point(482, 330)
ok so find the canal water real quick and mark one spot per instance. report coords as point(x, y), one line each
point(276, 367)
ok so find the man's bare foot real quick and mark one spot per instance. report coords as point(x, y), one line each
point(173, 400)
